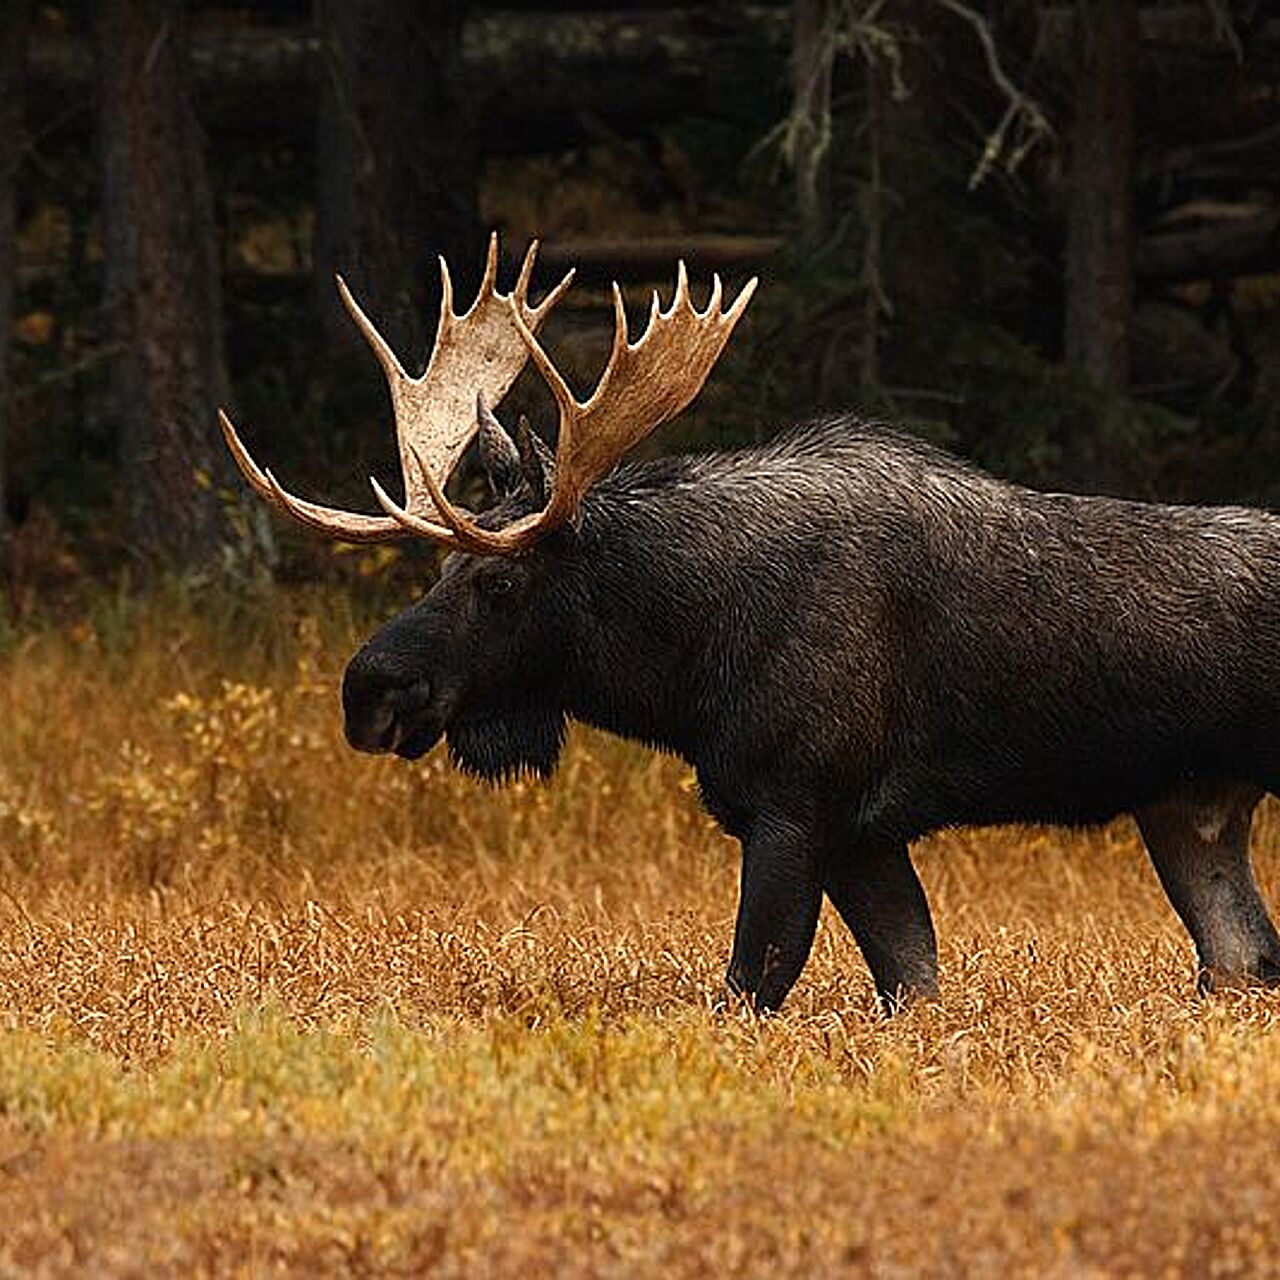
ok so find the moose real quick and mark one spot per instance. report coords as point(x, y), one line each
point(853, 638)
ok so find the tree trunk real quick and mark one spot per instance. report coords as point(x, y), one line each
point(910, 283)
point(1100, 206)
point(14, 24)
point(809, 140)
point(398, 165)
point(162, 285)
point(1100, 228)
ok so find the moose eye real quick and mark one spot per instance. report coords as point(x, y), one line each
point(497, 584)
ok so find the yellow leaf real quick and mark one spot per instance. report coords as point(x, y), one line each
point(35, 328)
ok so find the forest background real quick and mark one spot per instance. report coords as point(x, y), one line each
point(1044, 234)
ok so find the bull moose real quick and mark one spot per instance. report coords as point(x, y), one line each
point(852, 637)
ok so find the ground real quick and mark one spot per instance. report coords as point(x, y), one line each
point(268, 1007)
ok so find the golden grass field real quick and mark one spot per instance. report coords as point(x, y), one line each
point(269, 1007)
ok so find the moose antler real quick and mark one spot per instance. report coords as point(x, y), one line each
point(645, 384)
point(481, 351)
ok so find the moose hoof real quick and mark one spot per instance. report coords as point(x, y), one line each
point(1263, 972)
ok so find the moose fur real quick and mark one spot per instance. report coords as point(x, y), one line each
point(856, 639)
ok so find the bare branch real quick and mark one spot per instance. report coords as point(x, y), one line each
point(1022, 126)
point(831, 29)
point(1224, 29)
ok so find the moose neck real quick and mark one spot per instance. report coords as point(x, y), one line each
point(650, 600)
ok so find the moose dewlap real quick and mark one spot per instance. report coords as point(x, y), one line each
point(852, 637)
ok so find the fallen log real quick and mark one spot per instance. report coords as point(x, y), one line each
point(1216, 250)
point(1225, 247)
point(544, 79)
point(653, 259)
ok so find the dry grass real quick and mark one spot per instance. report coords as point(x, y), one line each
point(268, 1006)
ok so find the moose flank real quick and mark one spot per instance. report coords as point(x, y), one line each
point(852, 637)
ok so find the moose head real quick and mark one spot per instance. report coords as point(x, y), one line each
point(482, 656)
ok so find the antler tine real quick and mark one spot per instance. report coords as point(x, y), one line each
point(387, 358)
point(739, 304)
point(564, 398)
point(553, 297)
point(490, 266)
point(459, 530)
point(520, 294)
point(445, 322)
point(350, 526)
point(253, 473)
point(713, 304)
point(537, 313)
point(655, 312)
point(682, 289)
point(409, 521)
point(621, 328)
point(521, 290)
point(487, 281)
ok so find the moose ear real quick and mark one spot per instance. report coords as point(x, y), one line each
point(537, 463)
point(498, 453)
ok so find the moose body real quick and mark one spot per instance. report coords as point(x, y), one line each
point(853, 638)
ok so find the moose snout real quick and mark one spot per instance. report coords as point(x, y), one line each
point(381, 703)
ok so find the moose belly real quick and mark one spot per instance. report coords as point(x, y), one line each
point(1080, 771)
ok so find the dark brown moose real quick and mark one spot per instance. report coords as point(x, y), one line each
point(852, 637)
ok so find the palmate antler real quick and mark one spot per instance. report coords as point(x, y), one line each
point(645, 384)
point(479, 352)
point(476, 358)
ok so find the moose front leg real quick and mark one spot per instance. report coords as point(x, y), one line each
point(876, 890)
point(1199, 843)
point(777, 912)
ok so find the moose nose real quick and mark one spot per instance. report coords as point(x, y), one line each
point(373, 691)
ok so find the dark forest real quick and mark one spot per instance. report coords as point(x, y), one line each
point(1045, 235)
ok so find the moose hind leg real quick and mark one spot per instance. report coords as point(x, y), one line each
point(879, 896)
point(1199, 843)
